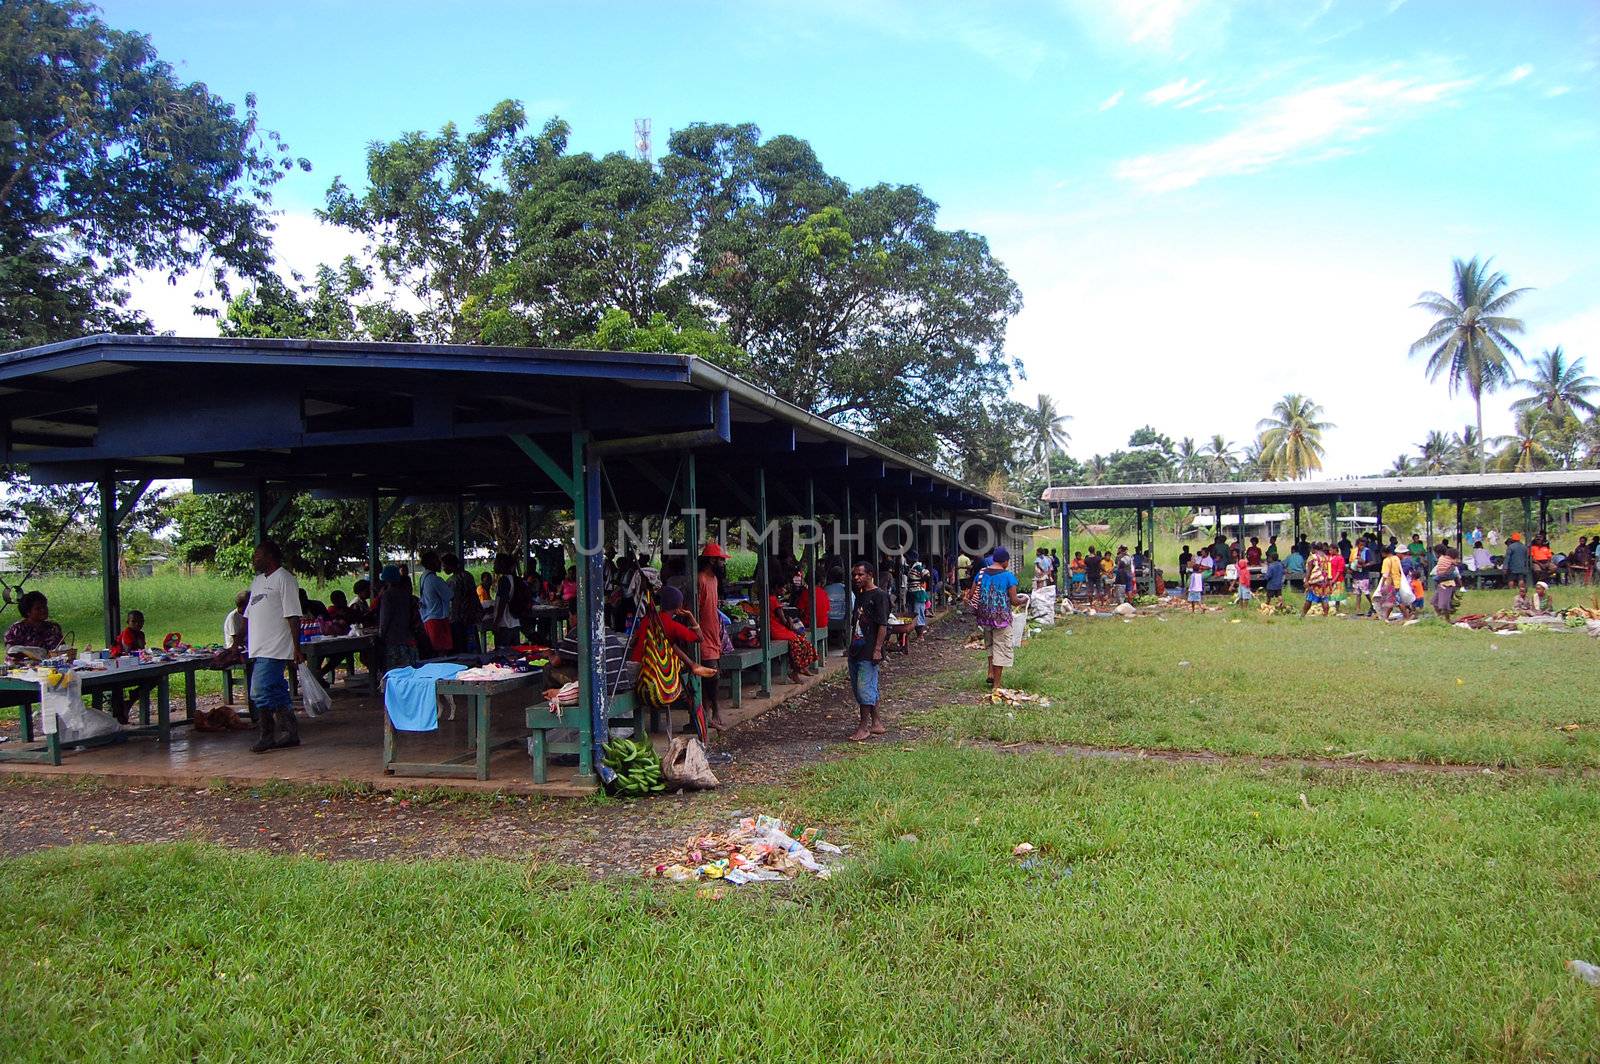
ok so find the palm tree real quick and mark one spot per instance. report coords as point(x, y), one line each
point(1404, 466)
point(1468, 342)
point(1191, 463)
point(1437, 454)
point(1096, 469)
point(1527, 447)
point(1466, 442)
point(1045, 431)
point(1253, 464)
point(1291, 439)
point(1220, 459)
point(1558, 387)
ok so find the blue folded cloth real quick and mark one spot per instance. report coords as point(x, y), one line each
point(408, 695)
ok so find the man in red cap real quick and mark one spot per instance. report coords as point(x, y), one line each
point(708, 583)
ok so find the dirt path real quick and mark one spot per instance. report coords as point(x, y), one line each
point(604, 837)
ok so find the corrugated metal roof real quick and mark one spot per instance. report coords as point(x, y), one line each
point(1558, 484)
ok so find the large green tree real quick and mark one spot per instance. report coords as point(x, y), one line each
point(1469, 342)
point(852, 303)
point(1291, 438)
point(110, 163)
point(1047, 435)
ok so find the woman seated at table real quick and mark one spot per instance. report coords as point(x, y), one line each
point(35, 629)
point(802, 655)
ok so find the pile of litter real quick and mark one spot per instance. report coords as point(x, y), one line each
point(758, 850)
point(1011, 697)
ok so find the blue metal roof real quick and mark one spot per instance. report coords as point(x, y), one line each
point(419, 419)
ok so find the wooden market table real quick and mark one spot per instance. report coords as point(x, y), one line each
point(122, 687)
point(326, 653)
point(474, 762)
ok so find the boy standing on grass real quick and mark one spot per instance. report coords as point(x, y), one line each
point(869, 628)
point(997, 597)
point(1197, 588)
point(1243, 597)
point(1273, 578)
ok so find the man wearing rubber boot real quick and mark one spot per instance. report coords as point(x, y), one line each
point(273, 632)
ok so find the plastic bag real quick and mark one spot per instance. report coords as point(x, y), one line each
point(63, 714)
point(1019, 627)
point(686, 764)
point(313, 696)
point(1042, 605)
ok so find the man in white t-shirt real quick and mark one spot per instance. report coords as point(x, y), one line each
point(272, 635)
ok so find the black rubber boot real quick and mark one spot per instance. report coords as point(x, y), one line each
point(268, 720)
point(289, 734)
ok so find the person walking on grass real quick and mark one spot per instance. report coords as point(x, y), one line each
point(997, 597)
point(1197, 588)
point(869, 629)
point(272, 633)
point(1446, 577)
point(1316, 580)
point(1243, 595)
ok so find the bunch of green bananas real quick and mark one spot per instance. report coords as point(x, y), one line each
point(637, 767)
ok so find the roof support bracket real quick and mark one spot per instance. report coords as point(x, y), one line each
point(541, 458)
point(133, 500)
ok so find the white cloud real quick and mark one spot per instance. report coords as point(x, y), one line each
point(1557, 90)
point(989, 35)
point(1168, 26)
point(1516, 74)
point(302, 243)
point(1182, 89)
point(1111, 101)
point(1298, 125)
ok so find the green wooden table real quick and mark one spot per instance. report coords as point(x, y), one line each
point(733, 666)
point(474, 762)
point(326, 653)
point(122, 687)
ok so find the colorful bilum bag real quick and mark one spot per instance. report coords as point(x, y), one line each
point(994, 605)
point(660, 672)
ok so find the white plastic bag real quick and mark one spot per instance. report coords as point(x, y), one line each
point(1019, 627)
point(1042, 605)
point(313, 696)
point(63, 714)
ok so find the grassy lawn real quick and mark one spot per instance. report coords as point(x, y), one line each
point(1177, 913)
point(1318, 687)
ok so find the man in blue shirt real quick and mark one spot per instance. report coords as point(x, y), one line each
point(433, 600)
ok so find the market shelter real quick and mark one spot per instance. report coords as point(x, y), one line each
point(1228, 500)
point(598, 434)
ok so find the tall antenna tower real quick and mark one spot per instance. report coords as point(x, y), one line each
point(641, 138)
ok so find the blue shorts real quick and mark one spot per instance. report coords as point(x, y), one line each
point(1194, 596)
point(864, 681)
point(1314, 598)
point(269, 683)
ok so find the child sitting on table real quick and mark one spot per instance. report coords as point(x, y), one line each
point(131, 640)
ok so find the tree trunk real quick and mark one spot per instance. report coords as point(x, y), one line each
point(1483, 462)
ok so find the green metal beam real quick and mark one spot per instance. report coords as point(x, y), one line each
point(551, 468)
point(764, 591)
point(133, 500)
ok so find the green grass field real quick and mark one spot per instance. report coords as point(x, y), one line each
point(1318, 687)
point(1174, 914)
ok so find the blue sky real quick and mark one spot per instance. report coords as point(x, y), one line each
point(1207, 203)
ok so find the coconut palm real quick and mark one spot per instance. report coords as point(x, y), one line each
point(1291, 439)
point(1044, 429)
point(1469, 342)
point(1404, 466)
point(1527, 447)
point(1221, 458)
point(1191, 462)
point(1437, 455)
point(1096, 469)
point(1557, 386)
point(1466, 448)
point(1253, 464)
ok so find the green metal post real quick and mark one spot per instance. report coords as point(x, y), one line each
point(848, 549)
point(1150, 555)
point(1527, 517)
point(261, 511)
point(1461, 524)
point(1544, 515)
point(811, 560)
point(764, 588)
point(691, 539)
point(1333, 522)
point(461, 530)
point(591, 621)
point(1427, 510)
point(374, 544)
point(110, 584)
point(1066, 543)
point(1296, 509)
point(873, 546)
